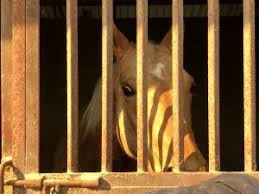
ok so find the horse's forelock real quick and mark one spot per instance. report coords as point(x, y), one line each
point(91, 117)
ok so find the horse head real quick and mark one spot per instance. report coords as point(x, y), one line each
point(159, 96)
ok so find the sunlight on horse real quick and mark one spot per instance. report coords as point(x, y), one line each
point(160, 121)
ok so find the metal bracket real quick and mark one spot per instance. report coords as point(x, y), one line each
point(53, 185)
point(5, 162)
point(43, 183)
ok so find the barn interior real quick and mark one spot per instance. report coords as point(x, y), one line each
point(53, 67)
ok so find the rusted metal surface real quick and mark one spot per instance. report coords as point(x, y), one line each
point(5, 162)
point(73, 183)
point(249, 85)
point(31, 183)
point(37, 181)
point(32, 85)
point(6, 77)
point(40, 183)
point(213, 85)
point(107, 84)
point(142, 40)
point(177, 82)
point(18, 84)
point(72, 86)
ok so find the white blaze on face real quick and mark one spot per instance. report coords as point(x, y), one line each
point(158, 70)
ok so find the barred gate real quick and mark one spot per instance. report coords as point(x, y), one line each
point(20, 48)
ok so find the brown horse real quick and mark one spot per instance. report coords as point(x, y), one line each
point(160, 122)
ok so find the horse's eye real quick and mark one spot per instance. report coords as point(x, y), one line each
point(128, 91)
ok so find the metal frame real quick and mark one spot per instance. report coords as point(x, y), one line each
point(20, 103)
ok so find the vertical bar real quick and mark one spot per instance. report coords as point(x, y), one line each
point(6, 78)
point(213, 85)
point(107, 80)
point(142, 41)
point(177, 77)
point(18, 84)
point(32, 85)
point(249, 85)
point(72, 85)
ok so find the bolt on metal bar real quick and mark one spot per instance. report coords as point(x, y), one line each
point(177, 82)
point(249, 85)
point(213, 85)
point(107, 85)
point(142, 41)
point(32, 85)
point(37, 181)
point(72, 85)
point(6, 76)
point(18, 94)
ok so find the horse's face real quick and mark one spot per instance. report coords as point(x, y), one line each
point(160, 122)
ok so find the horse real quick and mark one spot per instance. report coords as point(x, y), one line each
point(160, 119)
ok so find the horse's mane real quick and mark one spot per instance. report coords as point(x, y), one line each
point(91, 117)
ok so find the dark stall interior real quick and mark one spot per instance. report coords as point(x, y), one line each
point(53, 69)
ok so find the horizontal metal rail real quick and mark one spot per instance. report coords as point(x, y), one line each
point(120, 180)
point(42, 182)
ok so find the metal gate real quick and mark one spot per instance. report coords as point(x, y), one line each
point(19, 170)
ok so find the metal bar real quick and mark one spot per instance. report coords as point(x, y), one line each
point(18, 84)
point(249, 85)
point(31, 183)
point(72, 86)
point(40, 182)
point(107, 82)
point(177, 83)
point(72, 183)
point(142, 41)
point(213, 85)
point(6, 76)
point(32, 85)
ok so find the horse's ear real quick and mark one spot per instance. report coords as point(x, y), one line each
point(167, 40)
point(120, 42)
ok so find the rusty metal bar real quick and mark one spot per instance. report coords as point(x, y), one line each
point(38, 182)
point(18, 84)
point(72, 183)
point(177, 83)
point(32, 85)
point(107, 82)
point(213, 85)
point(6, 77)
point(249, 85)
point(72, 86)
point(142, 41)
point(35, 183)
